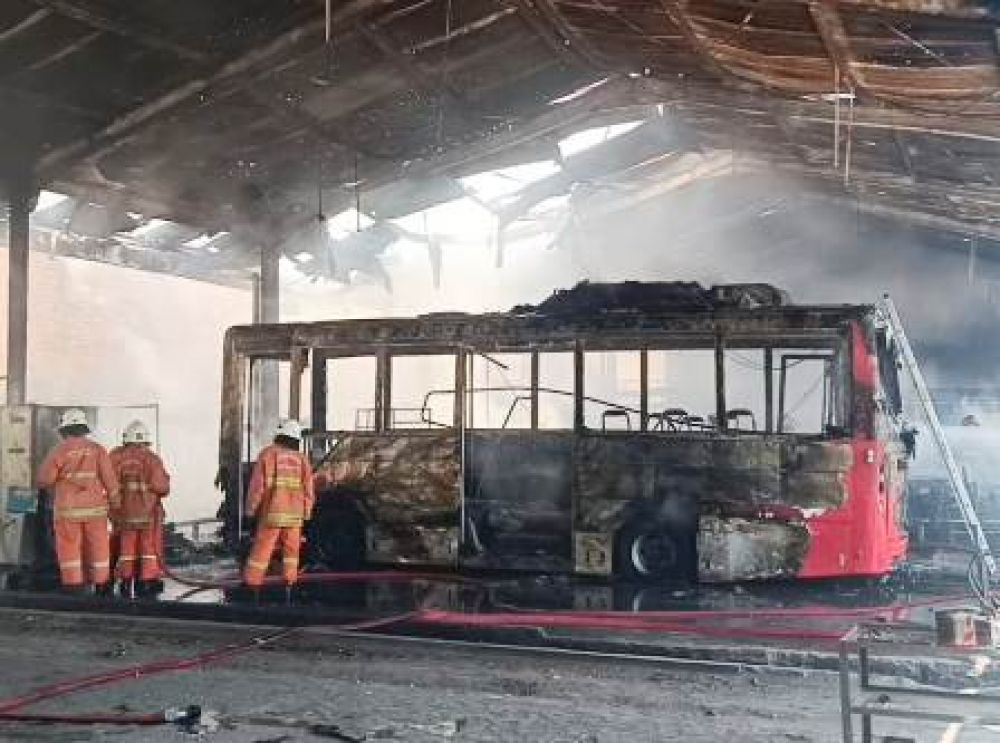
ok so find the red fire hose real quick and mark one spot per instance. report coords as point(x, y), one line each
point(11, 708)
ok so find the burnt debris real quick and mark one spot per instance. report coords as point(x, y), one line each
point(588, 299)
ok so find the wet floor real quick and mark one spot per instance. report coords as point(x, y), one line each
point(816, 610)
point(791, 611)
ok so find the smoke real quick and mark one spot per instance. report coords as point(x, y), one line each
point(729, 229)
point(105, 335)
point(734, 228)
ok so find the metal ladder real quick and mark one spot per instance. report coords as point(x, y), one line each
point(972, 523)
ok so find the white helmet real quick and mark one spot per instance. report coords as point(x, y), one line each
point(73, 417)
point(136, 433)
point(289, 427)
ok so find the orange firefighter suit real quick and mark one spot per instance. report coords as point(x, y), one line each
point(143, 481)
point(282, 498)
point(80, 475)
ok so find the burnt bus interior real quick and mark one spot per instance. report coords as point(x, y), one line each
point(591, 441)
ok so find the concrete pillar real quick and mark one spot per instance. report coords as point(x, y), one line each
point(17, 296)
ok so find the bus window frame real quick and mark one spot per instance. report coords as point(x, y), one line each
point(832, 346)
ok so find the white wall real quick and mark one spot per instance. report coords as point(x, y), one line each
point(103, 335)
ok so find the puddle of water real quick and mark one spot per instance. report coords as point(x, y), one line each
point(832, 605)
point(562, 601)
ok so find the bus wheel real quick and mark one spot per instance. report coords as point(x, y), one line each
point(335, 538)
point(647, 553)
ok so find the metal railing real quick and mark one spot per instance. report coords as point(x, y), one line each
point(918, 703)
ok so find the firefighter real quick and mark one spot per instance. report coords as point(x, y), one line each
point(143, 482)
point(79, 474)
point(282, 498)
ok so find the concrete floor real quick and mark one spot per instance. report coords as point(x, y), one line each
point(395, 690)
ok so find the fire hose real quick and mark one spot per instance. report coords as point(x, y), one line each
point(683, 621)
point(698, 622)
point(11, 709)
point(710, 623)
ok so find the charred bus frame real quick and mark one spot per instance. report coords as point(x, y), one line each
point(718, 496)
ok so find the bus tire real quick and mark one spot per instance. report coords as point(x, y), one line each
point(654, 553)
point(335, 536)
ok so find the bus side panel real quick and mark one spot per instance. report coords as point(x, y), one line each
point(725, 493)
point(518, 499)
point(864, 537)
point(667, 477)
point(407, 488)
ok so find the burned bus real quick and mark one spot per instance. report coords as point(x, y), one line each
point(645, 431)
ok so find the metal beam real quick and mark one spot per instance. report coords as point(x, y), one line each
point(574, 39)
point(556, 121)
point(735, 104)
point(124, 126)
point(85, 14)
point(63, 52)
point(209, 270)
point(543, 30)
point(176, 209)
point(534, 388)
point(329, 132)
point(944, 8)
point(680, 18)
point(579, 382)
point(643, 389)
point(464, 30)
point(826, 16)
point(722, 419)
point(383, 391)
point(18, 224)
point(18, 28)
point(412, 70)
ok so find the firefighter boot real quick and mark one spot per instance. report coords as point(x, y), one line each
point(104, 590)
point(148, 589)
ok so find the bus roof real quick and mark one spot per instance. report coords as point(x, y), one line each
point(627, 311)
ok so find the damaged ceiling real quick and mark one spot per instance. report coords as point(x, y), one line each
point(246, 120)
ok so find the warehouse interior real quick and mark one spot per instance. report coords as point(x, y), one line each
point(171, 169)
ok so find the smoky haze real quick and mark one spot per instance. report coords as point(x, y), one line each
point(106, 335)
point(723, 230)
